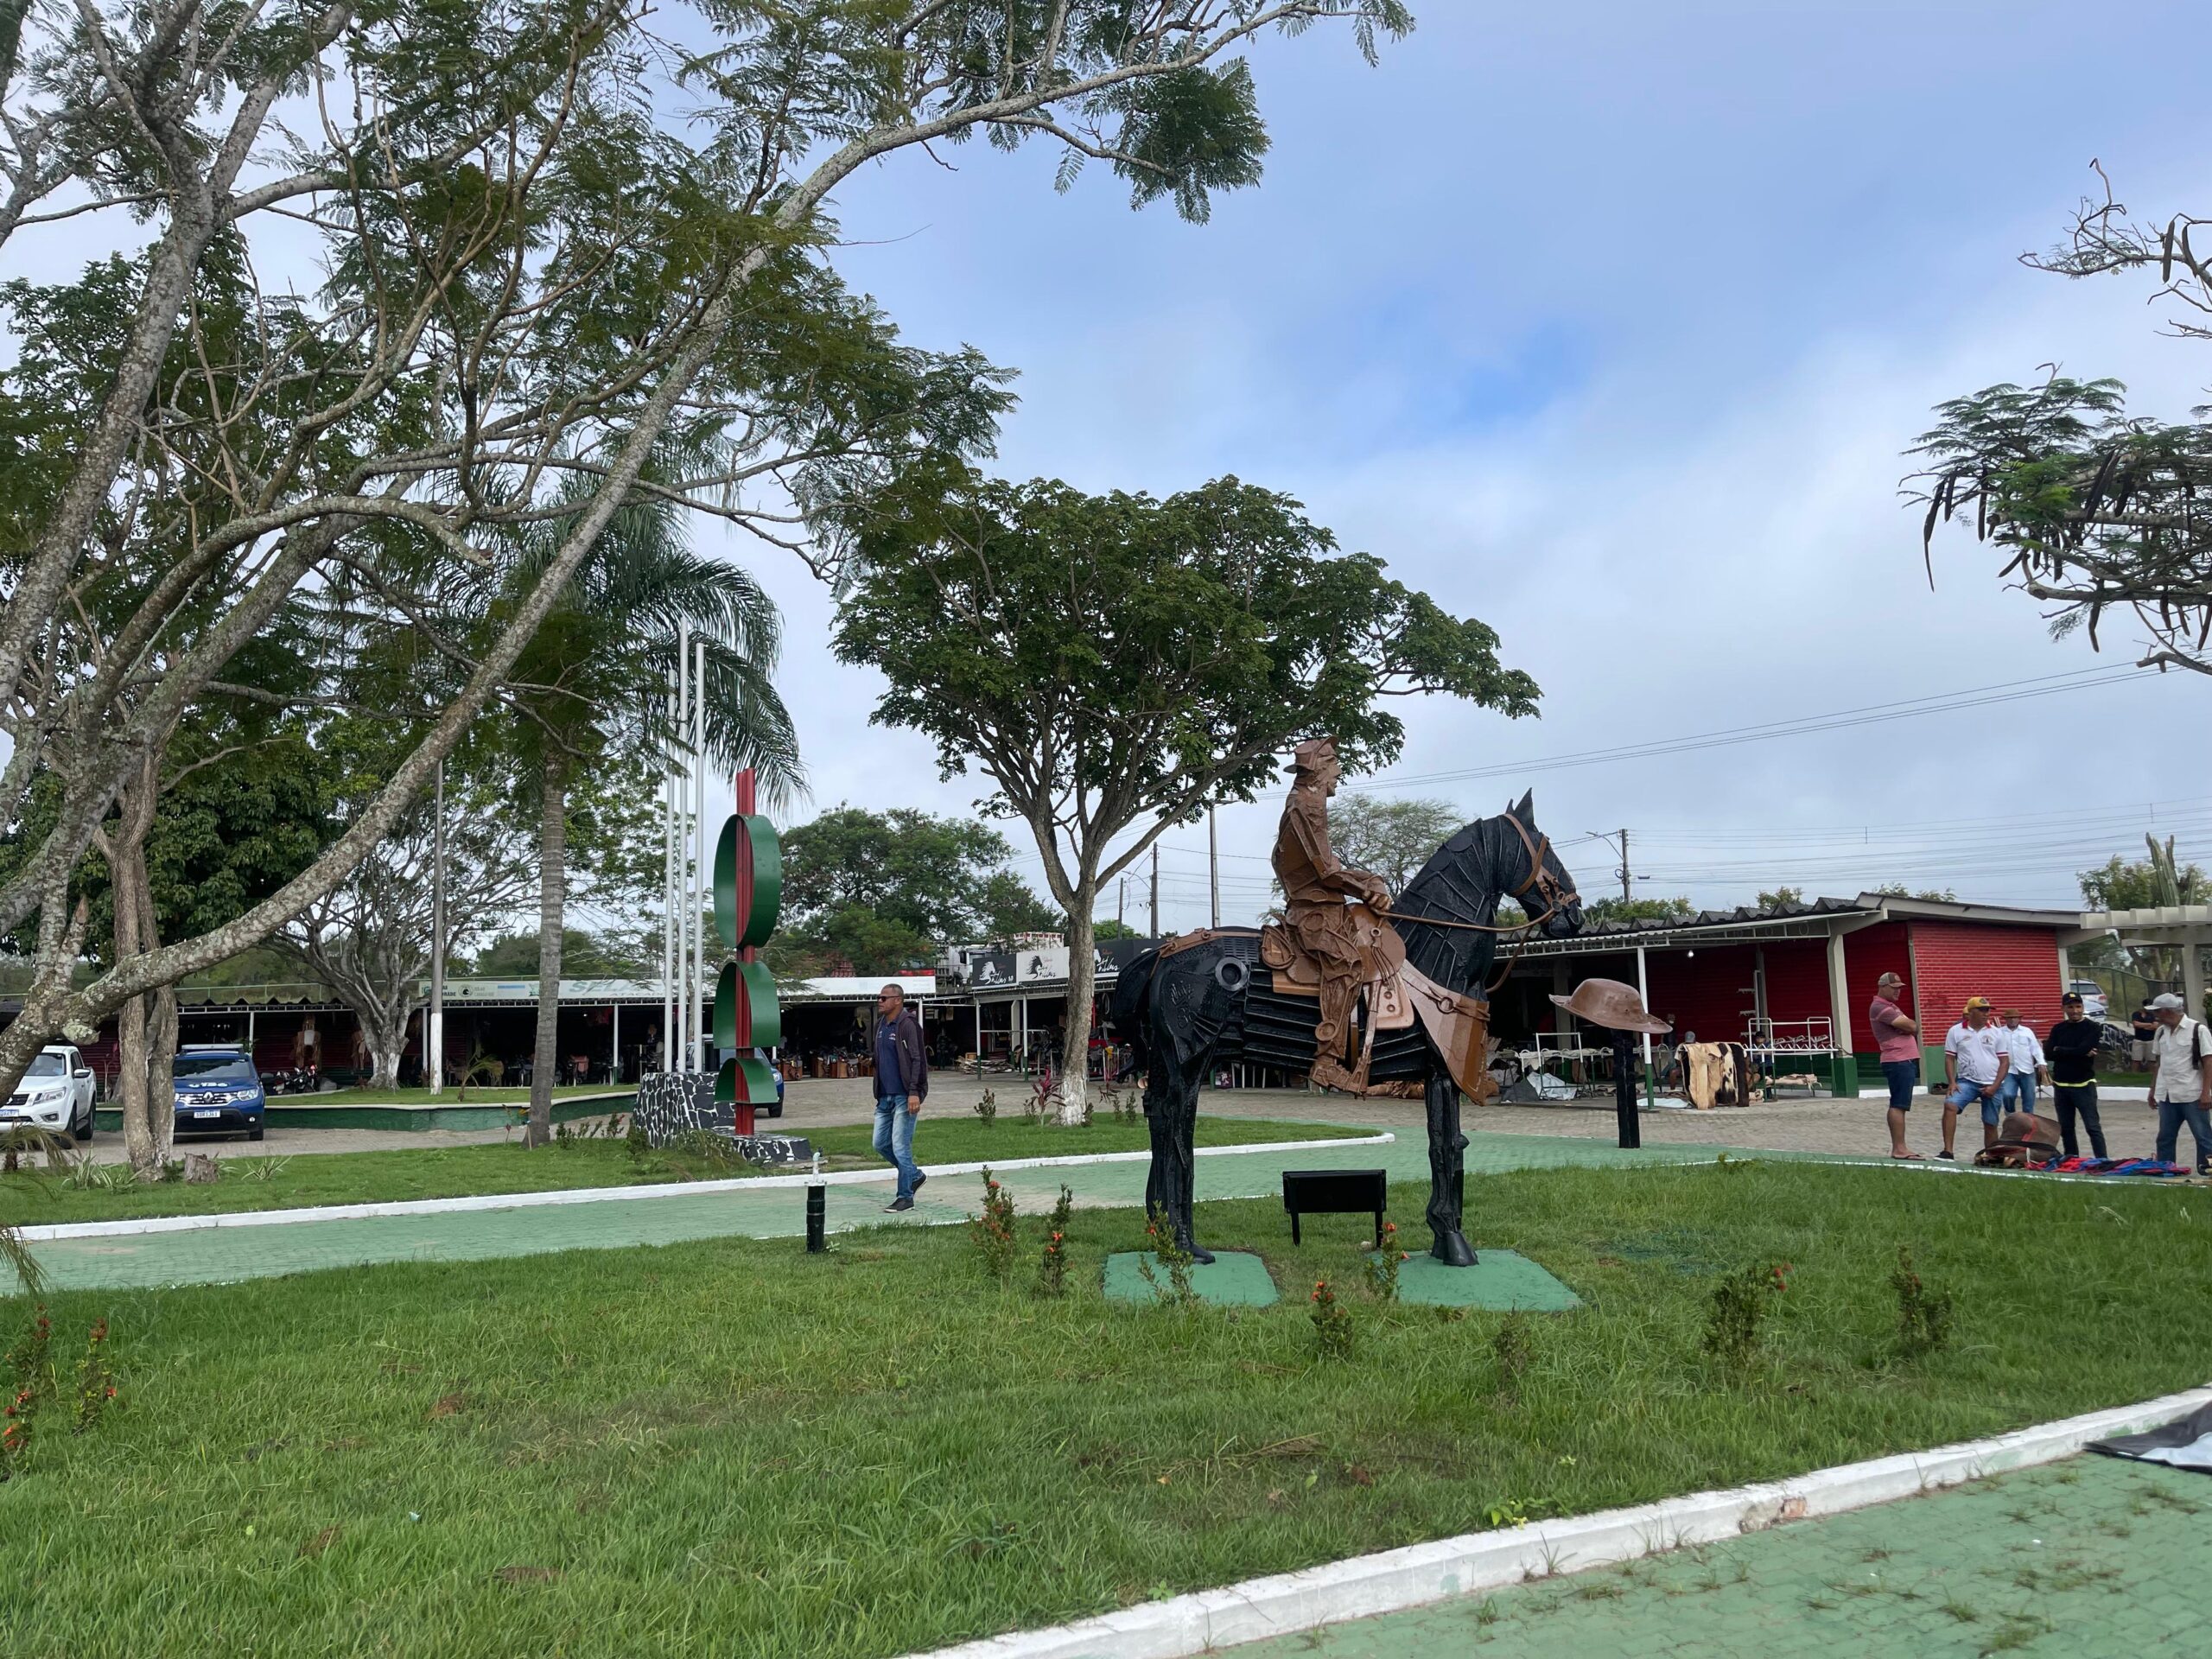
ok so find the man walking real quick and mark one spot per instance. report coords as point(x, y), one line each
point(2028, 1067)
point(1897, 1037)
point(902, 1083)
point(2182, 1084)
point(2144, 1025)
point(2073, 1045)
point(1976, 1057)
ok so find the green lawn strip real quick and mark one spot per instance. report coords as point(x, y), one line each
point(731, 1447)
point(40, 1197)
point(478, 1095)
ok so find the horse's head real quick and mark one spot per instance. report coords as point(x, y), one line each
point(1534, 878)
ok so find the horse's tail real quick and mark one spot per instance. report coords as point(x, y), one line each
point(1132, 997)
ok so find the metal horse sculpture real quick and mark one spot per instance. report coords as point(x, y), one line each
point(1215, 1003)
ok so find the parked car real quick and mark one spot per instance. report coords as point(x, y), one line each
point(218, 1092)
point(2094, 1003)
point(55, 1094)
point(769, 1060)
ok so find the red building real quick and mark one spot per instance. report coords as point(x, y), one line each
point(1798, 978)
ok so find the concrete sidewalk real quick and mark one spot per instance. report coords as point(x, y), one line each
point(2086, 1558)
point(223, 1255)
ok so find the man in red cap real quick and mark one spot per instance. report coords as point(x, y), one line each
point(1315, 884)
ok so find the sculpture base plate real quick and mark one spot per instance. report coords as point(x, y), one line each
point(1500, 1280)
point(1232, 1279)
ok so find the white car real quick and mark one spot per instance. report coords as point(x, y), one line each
point(55, 1095)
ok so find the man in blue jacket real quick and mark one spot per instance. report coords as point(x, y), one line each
point(902, 1083)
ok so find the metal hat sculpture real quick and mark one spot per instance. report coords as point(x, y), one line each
point(1609, 1003)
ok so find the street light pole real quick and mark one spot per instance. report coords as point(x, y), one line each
point(434, 1044)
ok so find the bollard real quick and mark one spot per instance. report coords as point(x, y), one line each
point(817, 1201)
point(1630, 1132)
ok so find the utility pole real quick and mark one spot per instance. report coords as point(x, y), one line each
point(1213, 871)
point(1628, 884)
point(1120, 899)
point(434, 1045)
point(1155, 889)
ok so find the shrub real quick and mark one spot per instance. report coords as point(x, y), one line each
point(1052, 1271)
point(988, 1107)
point(1172, 1258)
point(1740, 1302)
point(1924, 1320)
point(1332, 1325)
point(1381, 1267)
point(992, 1231)
point(29, 1383)
point(1512, 1347)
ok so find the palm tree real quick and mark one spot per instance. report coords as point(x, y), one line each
point(591, 691)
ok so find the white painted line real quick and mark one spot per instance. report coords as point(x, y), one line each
point(603, 1194)
point(1288, 1603)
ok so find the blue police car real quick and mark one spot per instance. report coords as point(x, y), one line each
point(218, 1092)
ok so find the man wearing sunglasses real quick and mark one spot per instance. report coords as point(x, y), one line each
point(902, 1083)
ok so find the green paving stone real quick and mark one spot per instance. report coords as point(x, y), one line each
point(1500, 1280)
point(1232, 1279)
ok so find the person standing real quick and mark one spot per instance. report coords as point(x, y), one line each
point(902, 1083)
point(1897, 1038)
point(2145, 1024)
point(2073, 1045)
point(1976, 1057)
point(2182, 1085)
point(2028, 1067)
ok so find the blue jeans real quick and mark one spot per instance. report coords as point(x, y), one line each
point(894, 1139)
point(1968, 1093)
point(2019, 1093)
point(1902, 1076)
point(2172, 1114)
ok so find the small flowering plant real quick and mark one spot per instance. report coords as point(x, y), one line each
point(29, 1384)
point(992, 1231)
point(1052, 1271)
point(1381, 1267)
point(1173, 1258)
point(1332, 1325)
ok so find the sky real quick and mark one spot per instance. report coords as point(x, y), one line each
point(1609, 325)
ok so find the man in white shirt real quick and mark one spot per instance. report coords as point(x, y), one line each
point(1977, 1056)
point(2028, 1067)
point(2181, 1084)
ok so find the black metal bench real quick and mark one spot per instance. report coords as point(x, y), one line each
point(1334, 1192)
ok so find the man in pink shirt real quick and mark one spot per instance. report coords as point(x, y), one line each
point(1897, 1037)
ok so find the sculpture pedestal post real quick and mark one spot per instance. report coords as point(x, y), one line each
point(1631, 1132)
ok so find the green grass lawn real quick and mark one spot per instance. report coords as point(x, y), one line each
point(40, 1197)
point(479, 1094)
point(732, 1447)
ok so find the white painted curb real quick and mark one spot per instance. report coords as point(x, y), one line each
point(1395, 1580)
point(603, 1194)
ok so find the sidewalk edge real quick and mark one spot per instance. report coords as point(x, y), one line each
point(1366, 1586)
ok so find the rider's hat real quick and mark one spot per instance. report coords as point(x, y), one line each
point(1311, 755)
point(1609, 1003)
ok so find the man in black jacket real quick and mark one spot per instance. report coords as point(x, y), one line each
point(902, 1083)
point(2072, 1048)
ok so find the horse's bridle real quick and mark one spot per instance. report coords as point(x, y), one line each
point(1546, 887)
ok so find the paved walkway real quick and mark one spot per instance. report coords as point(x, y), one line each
point(220, 1255)
point(2086, 1558)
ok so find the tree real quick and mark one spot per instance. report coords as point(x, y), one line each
point(585, 954)
point(1898, 890)
point(878, 893)
point(2141, 884)
point(1618, 909)
point(1112, 662)
point(1393, 839)
point(1106, 930)
point(2093, 509)
point(1781, 896)
point(405, 276)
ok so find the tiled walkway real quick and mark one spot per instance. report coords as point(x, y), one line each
point(223, 1254)
point(2089, 1557)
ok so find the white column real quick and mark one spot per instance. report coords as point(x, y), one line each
point(979, 1037)
point(1838, 995)
point(1021, 1023)
point(615, 1071)
point(1643, 996)
point(679, 1038)
point(2192, 973)
point(668, 904)
point(433, 1034)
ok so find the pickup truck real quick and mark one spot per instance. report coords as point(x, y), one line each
point(55, 1095)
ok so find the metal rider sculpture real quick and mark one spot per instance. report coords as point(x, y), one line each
point(1214, 998)
point(1343, 942)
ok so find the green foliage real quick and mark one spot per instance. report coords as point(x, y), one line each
point(1898, 890)
point(1512, 1350)
point(1923, 1317)
point(1053, 1268)
point(1618, 909)
point(1334, 1334)
point(993, 1231)
point(1779, 897)
point(1738, 1309)
point(1379, 1267)
point(584, 955)
point(1390, 838)
point(1172, 1260)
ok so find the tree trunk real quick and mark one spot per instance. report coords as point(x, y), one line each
point(1083, 979)
point(552, 884)
point(145, 1025)
point(383, 1029)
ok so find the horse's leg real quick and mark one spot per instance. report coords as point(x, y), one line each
point(1159, 1122)
point(1184, 1174)
point(1447, 1169)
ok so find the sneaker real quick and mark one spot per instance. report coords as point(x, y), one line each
point(899, 1203)
point(920, 1175)
point(1952, 1156)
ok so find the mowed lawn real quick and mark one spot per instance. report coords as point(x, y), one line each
point(41, 1196)
point(736, 1448)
